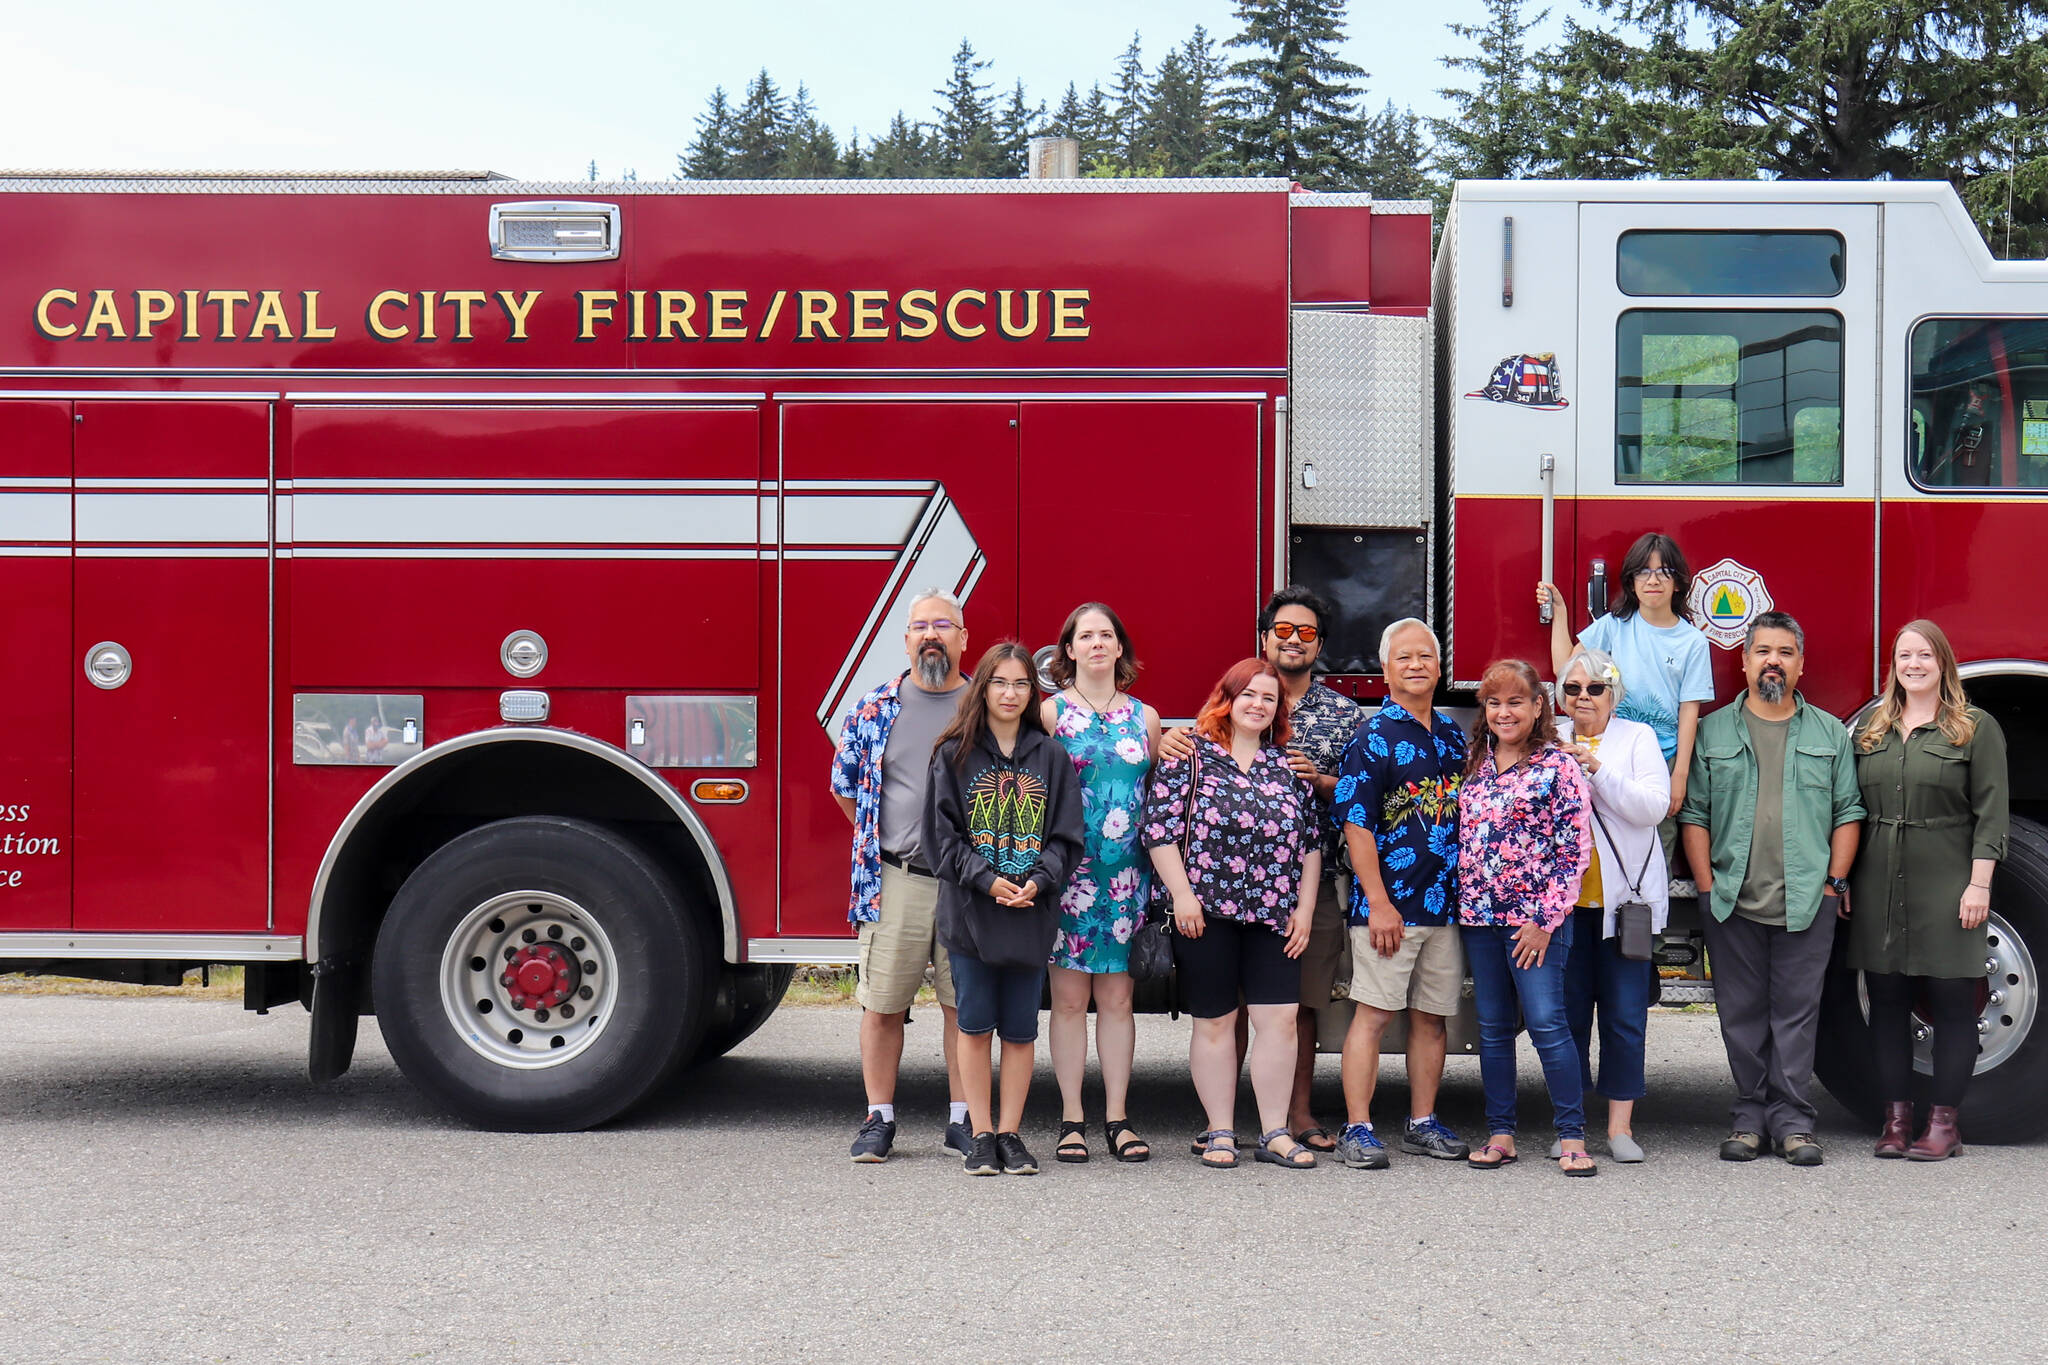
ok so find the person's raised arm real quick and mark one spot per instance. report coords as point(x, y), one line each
point(1560, 627)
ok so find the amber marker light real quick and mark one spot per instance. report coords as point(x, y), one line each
point(719, 791)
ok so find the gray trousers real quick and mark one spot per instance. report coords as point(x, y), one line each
point(1767, 985)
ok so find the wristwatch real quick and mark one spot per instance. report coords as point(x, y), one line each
point(1839, 885)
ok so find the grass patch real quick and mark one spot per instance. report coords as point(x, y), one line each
point(221, 983)
point(829, 987)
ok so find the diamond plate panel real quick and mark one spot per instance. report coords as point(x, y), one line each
point(1363, 418)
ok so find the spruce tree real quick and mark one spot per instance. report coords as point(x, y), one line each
point(760, 131)
point(966, 119)
point(810, 151)
point(1496, 131)
point(907, 151)
point(1394, 158)
point(1016, 125)
point(1129, 99)
point(1181, 128)
point(1291, 107)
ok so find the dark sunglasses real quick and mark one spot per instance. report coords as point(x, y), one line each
point(1590, 689)
point(1287, 630)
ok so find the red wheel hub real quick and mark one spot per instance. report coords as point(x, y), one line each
point(541, 976)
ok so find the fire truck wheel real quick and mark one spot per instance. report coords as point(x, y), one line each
point(2008, 1097)
point(540, 974)
point(756, 991)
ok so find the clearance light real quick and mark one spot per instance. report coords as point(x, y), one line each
point(725, 789)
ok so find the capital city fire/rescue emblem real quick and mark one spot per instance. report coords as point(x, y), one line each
point(1726, 596)
point(1531, 381)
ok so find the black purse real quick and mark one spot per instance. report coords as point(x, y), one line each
point(1152, 944)
point(1633, 935)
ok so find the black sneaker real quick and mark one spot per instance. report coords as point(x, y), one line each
point(981, 1156)
point(1017, 1158)
point(875, 1138)
point(1431, 1138)
point(959, 1138)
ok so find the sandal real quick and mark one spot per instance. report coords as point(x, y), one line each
point(1300, 1158)
point(1491, 1157)
point(1073, 1143)
point(1133, 1148)
point(1577, 1163)
point(1212, 1142)
point(1307, 1137)
point(1199, 1144)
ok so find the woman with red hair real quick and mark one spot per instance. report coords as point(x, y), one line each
point(1232, 834)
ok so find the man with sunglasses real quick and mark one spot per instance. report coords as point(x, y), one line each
point(1321, 721)
point(879, 776)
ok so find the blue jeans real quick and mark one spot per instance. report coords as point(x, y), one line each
point(997, 999)
point(1498, 988)
point(1597, 974)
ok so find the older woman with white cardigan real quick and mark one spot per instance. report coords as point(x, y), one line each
point(1631, 786)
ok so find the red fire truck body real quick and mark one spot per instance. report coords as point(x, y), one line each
point(442, 595)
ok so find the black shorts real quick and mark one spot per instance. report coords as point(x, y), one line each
point(1232, 959)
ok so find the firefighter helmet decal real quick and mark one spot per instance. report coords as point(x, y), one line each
point(1726, 596)
point(1533, 381)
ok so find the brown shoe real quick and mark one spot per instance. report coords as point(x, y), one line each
point(1898, 1130)
point(1941, 1140)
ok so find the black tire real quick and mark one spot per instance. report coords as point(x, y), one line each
point(746, 997)
point(2009, 1101)
point(528, 1068)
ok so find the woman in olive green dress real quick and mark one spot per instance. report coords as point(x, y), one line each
point(1932, 770)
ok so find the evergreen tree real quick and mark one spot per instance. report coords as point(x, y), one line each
point(853, 162)
point(1070, 118)
point(1814, 90)
point(1097, 128)
point(1497, 130)
point(1394, 158)
point(1181, 127)
point(1292, 105)
point(1018, 123)
point(760, 131)
point(710, 154)
point(908, 151)
point(966, 122)
point(1128, 110)
point(810, 151)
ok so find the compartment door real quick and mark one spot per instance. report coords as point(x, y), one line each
point(37, 666)
point(879, 502)
point(171, 634)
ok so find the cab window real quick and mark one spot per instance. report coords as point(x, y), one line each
point(1728, 397)
point(1690, 263)
point(1979, 416)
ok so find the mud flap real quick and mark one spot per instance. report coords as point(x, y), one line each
point(337, 1000)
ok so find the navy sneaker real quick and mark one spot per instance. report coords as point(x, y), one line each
point(981, 1156)
point(1361, 1149)
point(1430, 1137)
point(875, 1138)
point(959, 1138)
point(1016, 1157)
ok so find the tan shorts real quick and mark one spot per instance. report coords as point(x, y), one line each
point(895, 948)
point(1427, 972)
point(1324, 957)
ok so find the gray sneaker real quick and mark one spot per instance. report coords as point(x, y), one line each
point(1361, 1149)
point(1431, 1138)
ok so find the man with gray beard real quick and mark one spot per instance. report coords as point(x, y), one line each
point(1770, 823)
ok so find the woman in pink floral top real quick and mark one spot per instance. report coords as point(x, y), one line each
point(1524, 840)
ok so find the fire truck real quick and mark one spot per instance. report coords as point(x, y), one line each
point(439, 595)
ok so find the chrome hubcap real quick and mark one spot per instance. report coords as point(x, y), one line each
point(528, 979)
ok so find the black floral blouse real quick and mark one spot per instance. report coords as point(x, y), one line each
point(1248, 836)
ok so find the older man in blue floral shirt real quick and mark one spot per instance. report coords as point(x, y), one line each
point(879, 776)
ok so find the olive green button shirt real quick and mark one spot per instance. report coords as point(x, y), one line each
point(1819, 793)
point(1933, 808)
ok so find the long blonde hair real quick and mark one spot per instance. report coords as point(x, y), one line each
point(1952, 708)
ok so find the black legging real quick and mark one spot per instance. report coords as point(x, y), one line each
point(1953, 1003)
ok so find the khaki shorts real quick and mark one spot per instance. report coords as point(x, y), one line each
point(895, 948)
point(1327, 947)
point(1427, 972)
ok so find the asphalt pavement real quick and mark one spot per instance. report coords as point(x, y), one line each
point(177, 1191)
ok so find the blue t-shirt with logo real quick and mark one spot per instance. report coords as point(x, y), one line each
point(1662, 667)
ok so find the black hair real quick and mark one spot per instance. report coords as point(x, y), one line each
point(1638, 557)
point(1773, 620)
point(1294, 595)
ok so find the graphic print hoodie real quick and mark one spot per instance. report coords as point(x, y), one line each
point(1017, 817)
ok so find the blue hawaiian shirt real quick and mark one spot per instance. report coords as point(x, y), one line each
point(1400, 780)
point(857, 772)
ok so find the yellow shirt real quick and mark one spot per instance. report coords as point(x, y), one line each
point(1589, 885)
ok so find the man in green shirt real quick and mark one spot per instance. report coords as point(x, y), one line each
point(1770, 824)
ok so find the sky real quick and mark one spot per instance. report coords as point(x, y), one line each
point(539, 90)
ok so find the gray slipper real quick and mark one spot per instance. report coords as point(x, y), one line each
point(1624, 1147)
point(1557, 1149)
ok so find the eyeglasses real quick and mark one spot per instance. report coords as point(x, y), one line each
point(939, 627)
point(1590, 689)
point(1659, 575)
point(1009, 685)
point(1287, 630)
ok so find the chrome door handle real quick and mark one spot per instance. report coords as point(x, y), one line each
point(107, 665)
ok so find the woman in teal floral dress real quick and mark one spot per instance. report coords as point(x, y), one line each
point(1112, 737)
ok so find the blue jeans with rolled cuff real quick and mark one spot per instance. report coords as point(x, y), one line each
point(1499, 990)
point(1597, 975)
point(997, 999)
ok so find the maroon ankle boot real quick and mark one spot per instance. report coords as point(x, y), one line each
point(1898, 1130)
point(1941, 1140)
